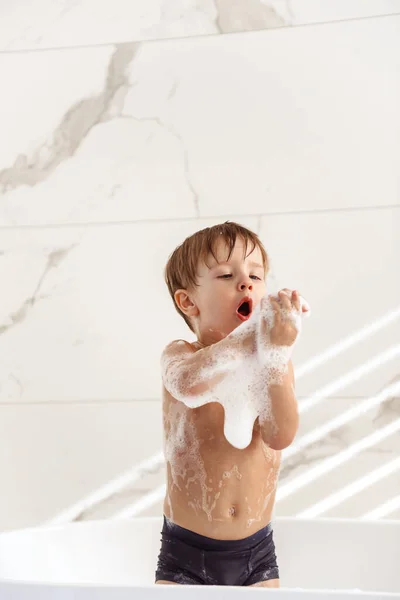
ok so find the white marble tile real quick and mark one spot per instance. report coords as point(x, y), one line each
point(360, 464)
point(301, 12)
point(54, 455)
point(56, 23)
point(333, 482)
point(244, 124)
point(346, 264)
point(85, 312)
point(71, 156)
point(370, 498)
point(379, 415)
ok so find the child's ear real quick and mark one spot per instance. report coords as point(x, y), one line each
point(185, 303)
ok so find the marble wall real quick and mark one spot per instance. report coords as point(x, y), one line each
point(126, 127)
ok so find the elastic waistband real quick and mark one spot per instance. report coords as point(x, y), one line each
point(206, 543)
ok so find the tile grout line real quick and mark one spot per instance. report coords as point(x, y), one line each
point(205, 35)
point(231, 216)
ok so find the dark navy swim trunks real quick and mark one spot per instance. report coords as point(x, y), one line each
point(192, 559)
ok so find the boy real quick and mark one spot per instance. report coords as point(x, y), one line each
point(229, 408)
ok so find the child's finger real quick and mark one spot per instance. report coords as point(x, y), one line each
point(277, 309)
point(296, 299)
point(286, 303)
point(288, 293)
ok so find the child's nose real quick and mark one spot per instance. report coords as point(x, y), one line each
point(247, 285)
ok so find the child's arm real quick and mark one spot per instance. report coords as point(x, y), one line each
point(187, 373)
point(280, 428)
point(280, 421)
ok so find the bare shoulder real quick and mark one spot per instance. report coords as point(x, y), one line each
point(177, 348)
point(173, 358)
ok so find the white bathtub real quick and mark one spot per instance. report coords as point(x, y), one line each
point(116, 560)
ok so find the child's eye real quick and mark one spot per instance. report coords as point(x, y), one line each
point(229, 275)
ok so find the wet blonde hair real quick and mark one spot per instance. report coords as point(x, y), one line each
point(181, 268)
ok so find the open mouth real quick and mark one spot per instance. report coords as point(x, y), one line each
point(244, 309)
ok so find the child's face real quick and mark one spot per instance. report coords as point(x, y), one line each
point(223, 286)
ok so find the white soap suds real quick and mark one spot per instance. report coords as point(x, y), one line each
point(270, 483)
point(251, 363)
point(182, 454)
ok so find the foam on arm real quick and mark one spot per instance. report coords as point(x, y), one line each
point(190, 375)
point(245, 373)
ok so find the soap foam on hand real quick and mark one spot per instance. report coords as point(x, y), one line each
point(304, 306)
point(244, 390)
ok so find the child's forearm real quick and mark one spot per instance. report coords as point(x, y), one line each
point(281, 421)
point(187, 375)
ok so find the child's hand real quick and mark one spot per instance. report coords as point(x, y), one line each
point(284, 331)
point(298, 301)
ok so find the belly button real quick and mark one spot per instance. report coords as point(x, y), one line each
point(232, 511)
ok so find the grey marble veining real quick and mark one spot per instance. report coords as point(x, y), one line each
point(76, 124)
point(389, 410)
point(252, 15)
